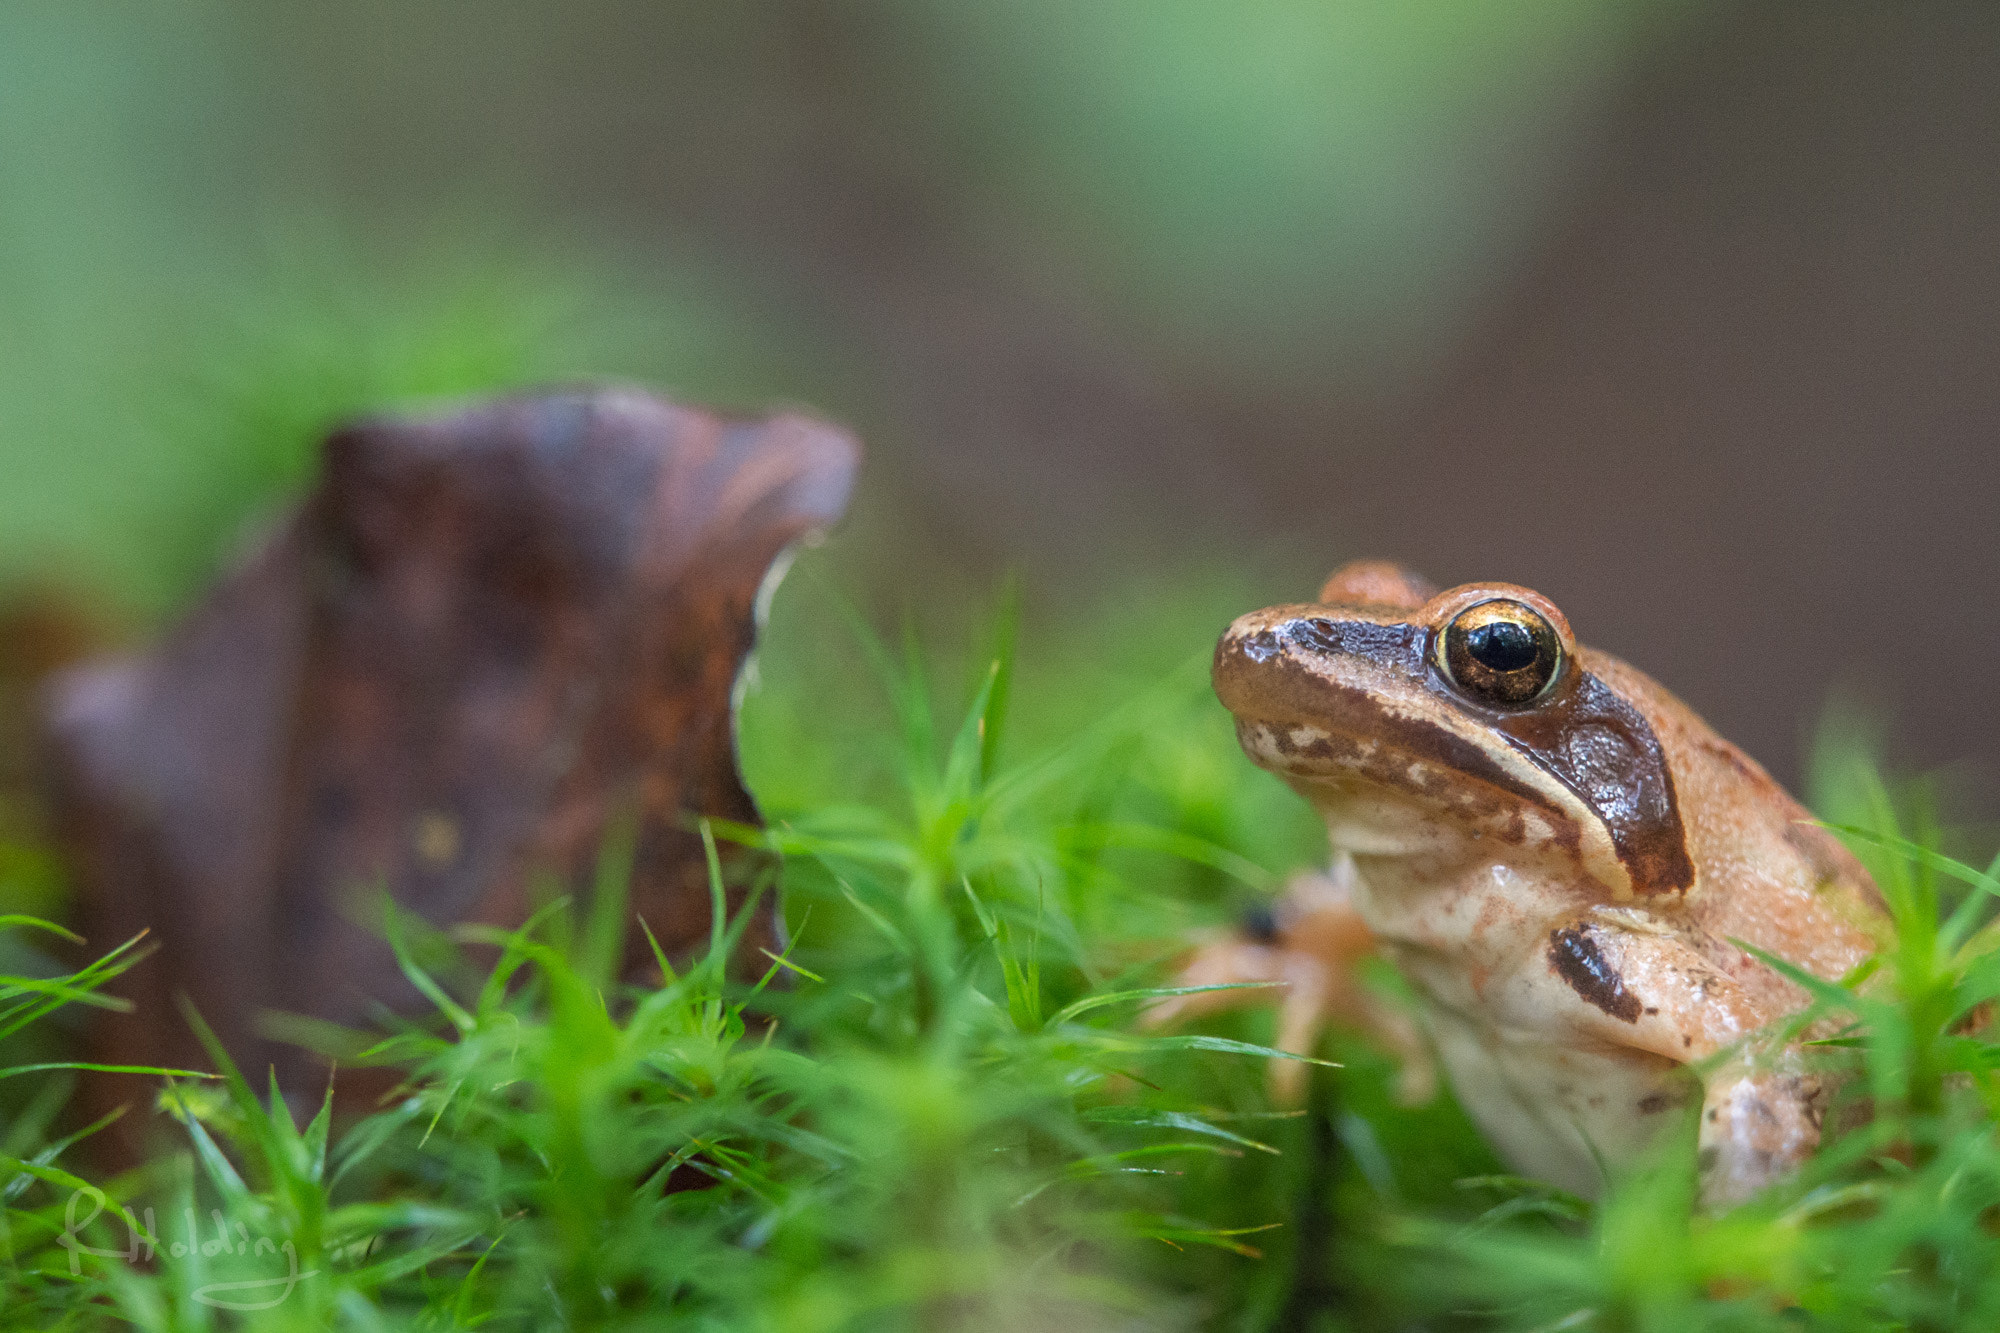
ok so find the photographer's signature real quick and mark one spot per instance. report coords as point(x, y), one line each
point(143, 1241)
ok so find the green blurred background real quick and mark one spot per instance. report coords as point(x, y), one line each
point(1679, 312)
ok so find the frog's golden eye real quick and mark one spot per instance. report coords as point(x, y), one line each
point(1501, 653)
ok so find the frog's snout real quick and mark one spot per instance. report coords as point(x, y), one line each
point(1247, 654)
point(1316, 690)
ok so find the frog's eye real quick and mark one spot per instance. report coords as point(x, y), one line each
point(1501, 652)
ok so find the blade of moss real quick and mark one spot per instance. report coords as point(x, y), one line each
point(1090, 1002)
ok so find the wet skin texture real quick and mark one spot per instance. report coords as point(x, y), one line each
point(1560, 861)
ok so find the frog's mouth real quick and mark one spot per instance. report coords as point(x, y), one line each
point(1372, 744)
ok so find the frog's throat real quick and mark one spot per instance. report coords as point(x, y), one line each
point(1322, 698)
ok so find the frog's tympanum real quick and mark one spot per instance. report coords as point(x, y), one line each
point(1561, 857)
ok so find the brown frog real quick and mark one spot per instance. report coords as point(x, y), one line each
point(1559, 855)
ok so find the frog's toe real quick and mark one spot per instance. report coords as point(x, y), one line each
point(1756, 1128)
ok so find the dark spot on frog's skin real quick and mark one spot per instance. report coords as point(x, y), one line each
point(1575, 956)
point(1735, 758)
point(1654, 1102)
point(1830, 862)
point(1652, 1008)
point(1687, 1041)
point(1801, 839)
point(1259, 924)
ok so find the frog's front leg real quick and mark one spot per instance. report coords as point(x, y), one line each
point(1308, 950)
point(1620, 976)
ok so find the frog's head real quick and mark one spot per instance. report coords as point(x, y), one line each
point(1411, 716)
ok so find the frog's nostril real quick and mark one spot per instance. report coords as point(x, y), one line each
point(1259, 647)
point(1308, 632)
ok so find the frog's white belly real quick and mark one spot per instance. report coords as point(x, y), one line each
point(1560, 1113)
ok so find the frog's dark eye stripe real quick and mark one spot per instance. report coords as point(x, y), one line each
point(1501, 653)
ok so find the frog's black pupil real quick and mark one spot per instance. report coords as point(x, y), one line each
point(1502, 645)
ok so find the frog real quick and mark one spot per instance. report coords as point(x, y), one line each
point(1579, 879)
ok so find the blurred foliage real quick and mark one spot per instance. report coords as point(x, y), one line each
point(1287, 179)
point(222, 227)
point(934, 1110)
point(173, 344)
point(133, 473)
